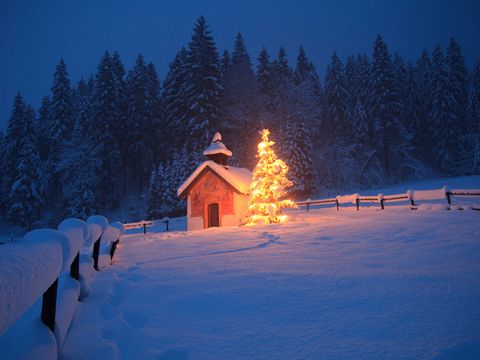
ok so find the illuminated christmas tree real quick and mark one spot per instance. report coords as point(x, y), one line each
point(269, 185)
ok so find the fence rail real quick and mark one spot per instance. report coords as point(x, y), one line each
point(55, 254)
point(414, 197)
point(147, 223)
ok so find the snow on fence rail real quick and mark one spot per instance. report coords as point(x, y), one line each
point(413, 196)
point(145, 224)
point(31, 269)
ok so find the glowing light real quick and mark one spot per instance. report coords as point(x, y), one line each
point(268, 186)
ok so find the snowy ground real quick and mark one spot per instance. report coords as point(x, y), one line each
point(328, 284)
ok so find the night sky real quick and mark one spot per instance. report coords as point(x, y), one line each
point(34, 35)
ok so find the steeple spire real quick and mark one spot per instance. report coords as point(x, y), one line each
point(217, 151)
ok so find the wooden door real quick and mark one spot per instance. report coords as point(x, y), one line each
point(213, 215)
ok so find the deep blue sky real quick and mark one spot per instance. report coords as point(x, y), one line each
point(34, 35)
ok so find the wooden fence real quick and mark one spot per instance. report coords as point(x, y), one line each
point(52, 253)
point(381, 199)
point(146, 223)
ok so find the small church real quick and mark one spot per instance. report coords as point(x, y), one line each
point(217, 194)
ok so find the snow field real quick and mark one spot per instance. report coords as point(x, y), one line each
point(351, 284)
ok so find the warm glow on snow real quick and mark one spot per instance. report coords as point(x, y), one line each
point(269, 186)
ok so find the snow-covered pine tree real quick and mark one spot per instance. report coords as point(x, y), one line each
point(386, 110)
point(2, 173)
point(301, 111)
point(157, 138)
point(422, 126)
point(153, 196)
point(225, 64)
point(79, 168)
point(24, 198)
point(174, 102)
point(60, 126)
point(296, 148)
point(265, 83)
point(161, 197)
point(103, 121)
point(239, 112)
point(458, 83)
point(203, 89)
point(12, 146)
point(42, 128)
point(334, 125)
point(139, 117)
point(121, 130)
point(473, 114)
point(61, 107)
point(308, 83)
point(442, 118)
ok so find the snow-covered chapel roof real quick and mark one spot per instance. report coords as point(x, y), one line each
point(239, 178)
point(217, 147)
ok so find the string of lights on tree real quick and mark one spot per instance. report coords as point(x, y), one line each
point(268, 186)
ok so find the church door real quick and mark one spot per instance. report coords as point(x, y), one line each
point(213, 215)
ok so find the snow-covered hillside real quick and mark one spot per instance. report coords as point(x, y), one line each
point(369, 284)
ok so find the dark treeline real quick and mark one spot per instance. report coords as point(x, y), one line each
point(373, 120)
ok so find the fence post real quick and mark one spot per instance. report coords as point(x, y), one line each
point(382, 204)
point(113, 248)
point(144, 228)
point(75, 267)
point(338, 204)
point(448, 194)
point(166, 224)
point(308, 207)
point(357, 201)
point(49, 305)
point(96, 253)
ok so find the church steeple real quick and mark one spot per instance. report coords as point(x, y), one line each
point(217, 151)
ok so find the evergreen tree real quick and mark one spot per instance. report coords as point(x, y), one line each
point(61, 106)
point(24, 198)
point(386, 109)
point(101, 132)
point(139, 116)
point(265, 84)
point(422, 126)
point(12, 146)
point(157, 138)
point(42, 128)
point(203, 89)
point(442, 118)
point(225, 64)
point(121, 130)
point(79, 168)
point(240, 109)
point(161, 197)
point(334, 122)
point(474, 119)
point(458, 84)
point(174, 101)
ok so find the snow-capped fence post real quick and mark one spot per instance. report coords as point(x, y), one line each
point(144, 228)
point(75, 267)
point(49, 305)
point(381, 199)
point(410, 197)
point(97, 225)
point(96, 253)
point(166, 221)
point(338, 204)
point(448, 195)
point(357, 202)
